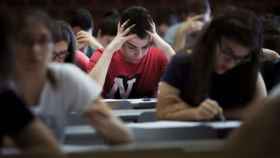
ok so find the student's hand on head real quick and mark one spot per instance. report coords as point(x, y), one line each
point(194, 23)
point(158, 42)
point(207, 110)
point(85, 39)
point(156, 39)
point(121, 37)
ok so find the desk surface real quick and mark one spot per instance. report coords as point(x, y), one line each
point(160, 131)
point(198, 145)
point(143, 103)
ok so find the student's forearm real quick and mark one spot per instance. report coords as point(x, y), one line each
point(180, 40)
point(175, 109)
point(164, 46)
point(95, 44)
point(110, 127)
point(168, 50)
point(36, 138)
point(100, 70)
point(186, 114)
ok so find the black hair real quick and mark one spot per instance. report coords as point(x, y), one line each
point(195, 7)
point(108, 26)
point(63, 32)
point(241, 26)
point(140, 17)
point(82, 18)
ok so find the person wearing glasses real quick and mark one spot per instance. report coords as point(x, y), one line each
point(53, 90)
point(132, 64)
point(65, 47)
point(221, 75)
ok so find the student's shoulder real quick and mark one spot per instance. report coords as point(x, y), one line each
point(61, 70)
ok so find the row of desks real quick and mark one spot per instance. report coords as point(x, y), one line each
point(150, 133)
point(159, 131)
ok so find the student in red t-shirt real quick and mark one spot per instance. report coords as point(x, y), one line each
point(130, 66)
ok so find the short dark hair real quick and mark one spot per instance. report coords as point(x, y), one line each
point(63, 32)
point(82, 18)
point(195, 7)
point(140, 17)
point(109, 26)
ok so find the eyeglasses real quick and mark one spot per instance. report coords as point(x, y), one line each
point(229, 54)
point(60, 55)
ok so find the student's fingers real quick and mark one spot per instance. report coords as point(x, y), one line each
point(197, 18)
point(126, 31)
point(81, 36)
point(83, 40)
point(130, 37)
point(153, 25)
point(214, 105)
point(204, 113)
point(119, 26)
point(150, 33)
point(123, 24)
point(82, 33)
point(209, 108)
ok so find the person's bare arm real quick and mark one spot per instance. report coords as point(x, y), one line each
point(171, 107)
point(36, 138)
point(85, 39)
point(191, 25)
point(110, 127)
point(160, 43)
point(100, 69)
point(252, 106)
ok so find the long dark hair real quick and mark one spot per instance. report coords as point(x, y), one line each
point(241, 26)
point(63, 32)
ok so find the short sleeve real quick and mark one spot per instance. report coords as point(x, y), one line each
point(14, 115)
point(175, 71)
point(79, 90)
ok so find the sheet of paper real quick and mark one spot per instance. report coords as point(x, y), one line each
point(164, 124)
point(224, 124)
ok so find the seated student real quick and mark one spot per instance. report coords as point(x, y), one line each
point(221, 75)
point(130, 67)
point(81, 22)
point(16, 121)
point(197, 14)
point(65, 50)
point(107, 30)
point(54, 90)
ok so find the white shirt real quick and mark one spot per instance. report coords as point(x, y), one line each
point(75, 91)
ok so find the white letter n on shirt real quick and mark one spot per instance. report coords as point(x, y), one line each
point(119, 85)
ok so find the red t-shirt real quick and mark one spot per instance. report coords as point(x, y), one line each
point(129, 80)
point(81, 60)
